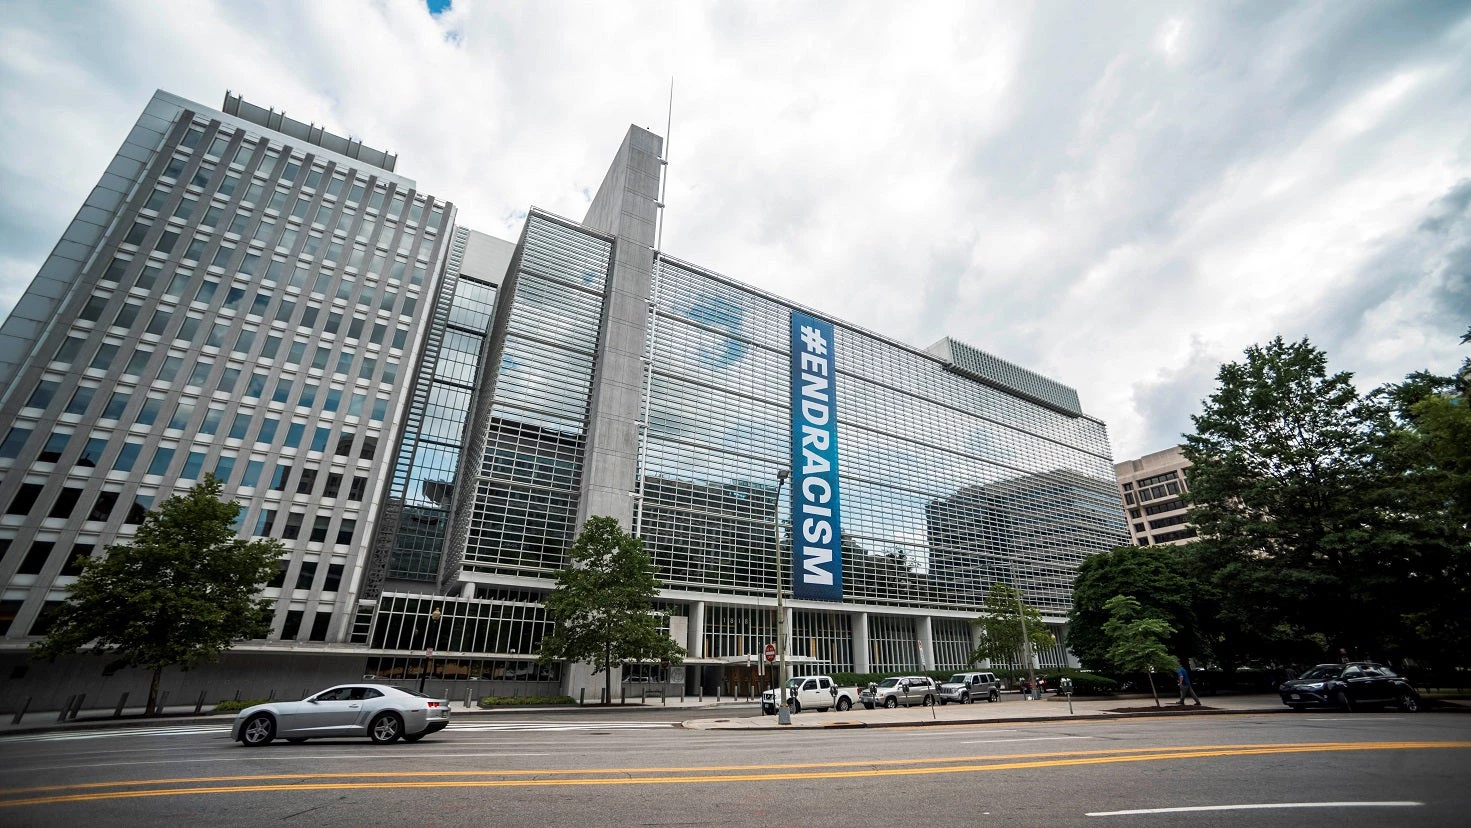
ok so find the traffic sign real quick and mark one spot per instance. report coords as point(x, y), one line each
point(770, 653)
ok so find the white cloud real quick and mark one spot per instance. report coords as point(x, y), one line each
point(1117, 197)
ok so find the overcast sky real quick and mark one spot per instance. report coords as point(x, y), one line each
point(1119, 195)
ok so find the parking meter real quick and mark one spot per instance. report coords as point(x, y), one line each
point(1067, 689)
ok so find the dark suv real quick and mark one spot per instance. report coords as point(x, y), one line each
point(1346, 686)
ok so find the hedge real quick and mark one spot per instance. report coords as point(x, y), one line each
point(497, 701)
point(233, 706)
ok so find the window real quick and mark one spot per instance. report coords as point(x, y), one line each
point(320, 627)
point(69, 349)
point(127, 457)
point(41, 397)
point(102, 509)
point(359, 488)
point(265, 522)
point(55, 445)
point(182, 415)
point(211, 422)
point(91, 454)
point(116, 404)
point(334, 578)
point(344, 444)
point(193, 466)
point(36, 557)
point(319, 438)
point(65, 502)
point(139, 509)
point(292, 529)
point(81, 400)
point(267, 433)
point(279, 579)
point(14, 440)
point(148, 413)
point(345, 531)
point(25, 498)
point(169, 369)
point(308, 481)
point(306, 575)
point(92, 311)
point(294, 434)
point(79, 554)
point(319, 528)
point(252, 473)
point(278, 478)
point(334, 485)
point(105, 354)
point(292, 627)
point(162, 458)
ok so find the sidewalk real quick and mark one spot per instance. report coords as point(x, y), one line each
point(1010, 708)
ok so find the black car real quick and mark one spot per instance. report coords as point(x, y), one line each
point(1347, 686)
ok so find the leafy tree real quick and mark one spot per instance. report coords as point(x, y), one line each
point(1162, 574)
point(181, 592)
point(602, 608)
point(1136, 640)
point(1286, 489)
point(1001, 623)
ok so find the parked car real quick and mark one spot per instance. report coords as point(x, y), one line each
point(964, 688)
point(1347, 686)
point(815, 692)
point(905, 690)
point(382, 713)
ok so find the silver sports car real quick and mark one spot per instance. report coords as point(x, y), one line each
point(382, 713)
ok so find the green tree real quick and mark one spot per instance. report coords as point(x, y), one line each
point(1286, 491)
point(179, 593)
point(1162, 574)
point(602, 608)
point(1428, 463)
point(1136, 640)
point(1002, 621)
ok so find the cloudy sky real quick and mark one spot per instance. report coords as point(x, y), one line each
point(1118, 195)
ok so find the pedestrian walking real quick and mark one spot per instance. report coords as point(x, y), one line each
point(1182, 676)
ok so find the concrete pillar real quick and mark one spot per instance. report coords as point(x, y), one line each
point(860, 643)
point(696, 642)
point(975, 642)
point(924, 632)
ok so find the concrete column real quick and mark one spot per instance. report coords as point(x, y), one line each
point(924, 632)
point(696, 643)
point(860, 643)
point(975, 642)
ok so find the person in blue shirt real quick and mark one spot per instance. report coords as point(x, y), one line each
point(1182, 676)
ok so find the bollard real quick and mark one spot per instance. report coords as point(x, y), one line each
point(118, 711)
point(622, 694)
point(467, 697)
point(237, 694)
point(272, 697)
point(199, 705)
point(581, 696)
point(702, 694)
point(65, 708)
point(21, 711)
point(77, 708)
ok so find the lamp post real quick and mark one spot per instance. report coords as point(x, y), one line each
point(1021, 615)
point(428, 653)
point(784, 710)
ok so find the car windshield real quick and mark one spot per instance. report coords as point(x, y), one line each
point(889, 682)
point(792, 682)
point(1323, 671)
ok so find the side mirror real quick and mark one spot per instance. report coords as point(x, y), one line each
point(312, 700)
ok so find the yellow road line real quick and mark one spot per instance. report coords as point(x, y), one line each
point(938, 766)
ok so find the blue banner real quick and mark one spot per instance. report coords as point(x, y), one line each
point(817, 535)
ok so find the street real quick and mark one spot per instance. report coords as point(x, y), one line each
point(640, 768)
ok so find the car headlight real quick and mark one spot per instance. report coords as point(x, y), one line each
point(1317, 685)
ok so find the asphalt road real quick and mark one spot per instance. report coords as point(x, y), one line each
point(638, 768)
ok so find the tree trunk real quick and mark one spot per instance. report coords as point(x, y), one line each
point(1152, 690)
point(152, 707)
point(607, 673)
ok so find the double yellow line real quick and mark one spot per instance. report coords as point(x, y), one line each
point(96, 791)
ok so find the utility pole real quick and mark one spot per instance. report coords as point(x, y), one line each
point(783, 710)
point(1021, 615)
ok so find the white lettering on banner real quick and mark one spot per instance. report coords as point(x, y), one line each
point(816, 517)
point(814, 565)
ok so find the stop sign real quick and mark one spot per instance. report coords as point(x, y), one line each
point(770, 653)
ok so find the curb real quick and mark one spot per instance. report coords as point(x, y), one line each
point(935, 723)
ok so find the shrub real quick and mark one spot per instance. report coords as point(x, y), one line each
point(1084, 684)
point(497, 701)
point(233, 706)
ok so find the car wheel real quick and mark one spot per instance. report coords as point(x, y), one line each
point(296, 740)
point(944, 701)
point(994, 695)
point(259, 730)
point(385, 729)
point(891, 702)
point(928, 700)
point(844, 705)
point(965, 697)
point(1340, 699)
point(414, 738)
point(1409, 702)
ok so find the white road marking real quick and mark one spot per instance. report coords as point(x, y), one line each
point(103, 734)
point(279, 755)
point(557, 727)
point(1258, 807)
point(1024, 739)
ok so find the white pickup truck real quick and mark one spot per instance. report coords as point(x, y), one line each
point(816, 692)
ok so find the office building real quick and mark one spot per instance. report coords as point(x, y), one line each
point(424, 415)
point(1150, 489)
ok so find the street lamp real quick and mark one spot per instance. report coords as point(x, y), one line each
point(428, 652)
point(784, 710)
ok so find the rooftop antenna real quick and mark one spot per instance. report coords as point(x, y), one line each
point(664, 179)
